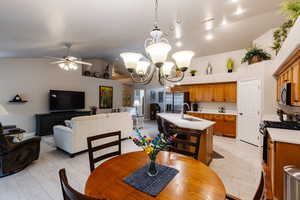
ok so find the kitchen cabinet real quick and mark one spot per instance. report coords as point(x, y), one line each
point(230, 90)
point(289, 72)
point(214, 92)
point(225, 124)
point(280, 154)
point(219, 93)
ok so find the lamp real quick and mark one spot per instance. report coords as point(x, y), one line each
point(158, 52)
point(2, 112)
point(142, 67)
point(167, 68)
point(131, 60)
point(183, 59)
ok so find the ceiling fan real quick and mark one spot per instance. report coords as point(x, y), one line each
point(68, 62)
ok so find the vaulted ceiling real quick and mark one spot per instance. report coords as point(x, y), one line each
point(98, 28)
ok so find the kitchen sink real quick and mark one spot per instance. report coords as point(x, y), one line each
point(191, 119)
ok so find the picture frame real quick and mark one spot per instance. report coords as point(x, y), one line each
point(106, 97)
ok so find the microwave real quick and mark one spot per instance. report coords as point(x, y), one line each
point(286, 94)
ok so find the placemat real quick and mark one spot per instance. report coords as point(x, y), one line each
point(151, 185)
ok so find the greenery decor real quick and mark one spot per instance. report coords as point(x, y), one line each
point(230, 65)
point(280, 35)
point(152, 146)
point(255, 55)
point(193, 72)
point(292, 10)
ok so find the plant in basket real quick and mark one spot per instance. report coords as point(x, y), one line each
point(152, 146)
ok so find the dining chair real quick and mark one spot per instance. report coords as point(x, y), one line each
point(185, 142)
point(68, 192)
point(160, 127)
point(92, 149)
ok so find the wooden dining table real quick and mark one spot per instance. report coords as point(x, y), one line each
point(195, 181)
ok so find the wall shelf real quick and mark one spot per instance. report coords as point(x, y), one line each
point(18, 101)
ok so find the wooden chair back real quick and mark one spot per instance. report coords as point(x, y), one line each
point(186, 142)
point(68, 192)
point(160, 125)
point(92, 149)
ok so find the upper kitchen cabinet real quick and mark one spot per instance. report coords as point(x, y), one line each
point(219, 93)
point(230, 92)
point(290, 73)
point(214, 92)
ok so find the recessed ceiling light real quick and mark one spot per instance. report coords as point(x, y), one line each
point(179, 44)
point(209, 37)
point(224, 22)
point(239, 11)
point(208, 26)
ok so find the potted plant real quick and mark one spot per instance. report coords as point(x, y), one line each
point(230, 65)
point(255, 55)
point(193, 72)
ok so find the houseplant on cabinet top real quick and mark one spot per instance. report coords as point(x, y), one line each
point(255, 55)
point(193, 72)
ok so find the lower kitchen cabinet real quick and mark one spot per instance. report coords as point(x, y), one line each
point(225, 124)
point(280, 154)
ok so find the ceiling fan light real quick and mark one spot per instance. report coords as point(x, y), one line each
point(142, 67)
point(183, 59)
point(62, 65)
point(131, 60)
point(167, 68)
point(158, 52)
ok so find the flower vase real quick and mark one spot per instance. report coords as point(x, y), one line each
point(152, 171)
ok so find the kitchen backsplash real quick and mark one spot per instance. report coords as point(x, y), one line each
point(216, 105)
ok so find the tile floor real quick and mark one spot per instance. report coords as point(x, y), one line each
point(239, 170)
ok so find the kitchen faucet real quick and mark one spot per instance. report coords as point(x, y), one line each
point(182, 110)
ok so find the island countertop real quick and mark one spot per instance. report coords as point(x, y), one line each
point(175, 118)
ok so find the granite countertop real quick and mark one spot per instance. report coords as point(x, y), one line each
point(227, 112)
point(182, 123)
point(284, 135)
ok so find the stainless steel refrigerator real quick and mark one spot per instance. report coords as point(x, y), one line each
point(175, 101)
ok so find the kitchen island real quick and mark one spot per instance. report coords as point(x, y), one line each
point(196, 125)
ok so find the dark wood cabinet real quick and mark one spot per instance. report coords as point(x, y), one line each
point(45, 122)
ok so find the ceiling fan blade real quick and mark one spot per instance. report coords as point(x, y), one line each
point(62, 59)
point(71, 58)
point(57, 62)
point(83, 63)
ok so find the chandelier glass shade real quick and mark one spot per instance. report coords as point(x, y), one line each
point(157, 49)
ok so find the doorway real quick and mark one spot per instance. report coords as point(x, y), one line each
point(249, 107)
point(139, 101)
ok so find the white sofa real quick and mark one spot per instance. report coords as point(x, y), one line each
point(73, 139)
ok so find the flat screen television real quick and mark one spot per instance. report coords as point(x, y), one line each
point(66, 100)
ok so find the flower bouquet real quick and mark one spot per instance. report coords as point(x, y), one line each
point(152, 146)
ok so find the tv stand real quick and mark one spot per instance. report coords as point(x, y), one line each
point(45, 122)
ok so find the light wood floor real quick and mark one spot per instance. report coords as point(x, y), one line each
point(239, 170)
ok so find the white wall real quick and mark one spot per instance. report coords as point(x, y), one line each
point(33, 78)
point(218, 62)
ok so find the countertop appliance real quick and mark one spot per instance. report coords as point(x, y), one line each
point(174, 101)
point(286, 94)
point(272, 124)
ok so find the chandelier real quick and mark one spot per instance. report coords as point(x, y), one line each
point(142, 68)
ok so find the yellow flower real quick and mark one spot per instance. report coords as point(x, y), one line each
point(148, 149)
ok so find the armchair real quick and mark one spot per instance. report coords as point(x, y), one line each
point(14, 157)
